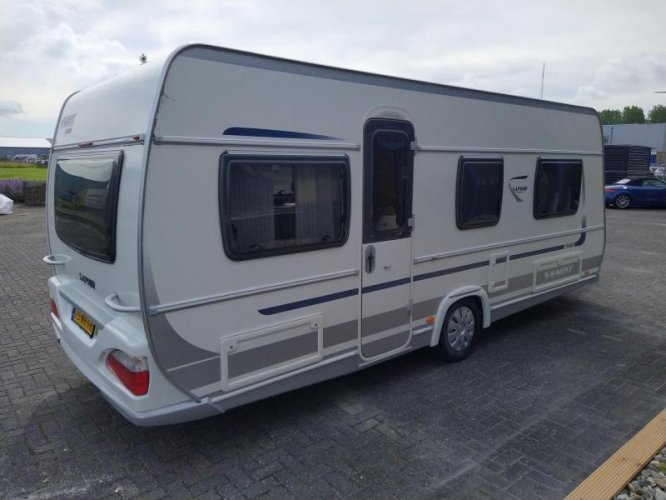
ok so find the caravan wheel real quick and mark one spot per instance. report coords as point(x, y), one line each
point(460, 329)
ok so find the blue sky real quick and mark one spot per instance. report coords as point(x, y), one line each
point(597, 53)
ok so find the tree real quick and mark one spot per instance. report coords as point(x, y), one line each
point(657, 114)
point(633, 114)
point(610, 116)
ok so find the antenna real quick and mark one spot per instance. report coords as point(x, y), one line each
point(543, 74)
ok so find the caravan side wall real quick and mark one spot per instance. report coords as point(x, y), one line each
point(233, 321)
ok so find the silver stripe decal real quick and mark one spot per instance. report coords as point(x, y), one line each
point(384, 321)
point(517, 283)
point(207, 371)
point(197, 374)
point(340, 333)
point(480, 248)
point(469, 149)
point(260, 358)
point(273, 143)
point(193, 363)
point(538, 297)
point(385, 345)
point(248, 292)
point(426, 308)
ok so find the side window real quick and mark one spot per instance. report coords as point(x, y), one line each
point(557, 187)
point(277, 205)
point(479, 192)
point(653, 183)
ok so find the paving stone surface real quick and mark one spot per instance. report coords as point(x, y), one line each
point(547, 396)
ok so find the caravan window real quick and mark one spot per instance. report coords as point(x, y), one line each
point(557, 187)
point(275, 205)
point(479, 192)
point(85, 198)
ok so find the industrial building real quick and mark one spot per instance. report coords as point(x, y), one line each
point(652, 135)
point(12, 146)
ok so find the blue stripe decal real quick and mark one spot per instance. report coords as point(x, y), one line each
point(388, 284)
point(308, 302)
point(281, 134)
point(451, 270)
point(536, 252)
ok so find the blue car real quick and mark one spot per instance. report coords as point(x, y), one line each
point(637, 192)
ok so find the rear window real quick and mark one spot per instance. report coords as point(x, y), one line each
point(85, 199)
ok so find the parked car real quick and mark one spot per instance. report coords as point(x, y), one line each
point(637, 192)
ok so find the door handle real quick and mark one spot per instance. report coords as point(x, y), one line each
point(369, 259)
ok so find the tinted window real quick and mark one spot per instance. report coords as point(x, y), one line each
point(557, 188)
point(388, 179)
point(85, 198)
point(479, 192)
point(275, 205)
point(654, 183)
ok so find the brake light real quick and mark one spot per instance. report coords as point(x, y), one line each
point(53, 308)
point(610, 189)
point(131, 371)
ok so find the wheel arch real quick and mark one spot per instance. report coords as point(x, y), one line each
point(475, 292)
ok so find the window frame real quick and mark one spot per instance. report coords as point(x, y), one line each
point(462, 162)
point(114, 194)
point(224, 176)
point(541, 161)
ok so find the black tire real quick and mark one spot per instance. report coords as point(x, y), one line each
point(460, 330)
point(622, 201)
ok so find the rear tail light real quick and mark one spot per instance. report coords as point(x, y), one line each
point(53, 308)
point(610, 190)
point(131, 371)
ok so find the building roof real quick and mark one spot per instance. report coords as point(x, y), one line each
point(24, 142)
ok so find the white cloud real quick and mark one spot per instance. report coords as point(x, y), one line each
point(8, 108)
point(601, 53)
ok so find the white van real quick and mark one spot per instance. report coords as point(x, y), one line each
point(226, 226)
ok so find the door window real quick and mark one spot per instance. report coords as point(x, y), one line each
point(388, 180)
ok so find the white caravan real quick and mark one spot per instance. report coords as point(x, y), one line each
point(226, 226)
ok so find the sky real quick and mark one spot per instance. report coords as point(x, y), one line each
point(602, 54)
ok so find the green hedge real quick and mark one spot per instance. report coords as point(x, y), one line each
point(35, 193)
point(29, 192)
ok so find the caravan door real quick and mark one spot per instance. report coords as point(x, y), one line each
point(387, 226)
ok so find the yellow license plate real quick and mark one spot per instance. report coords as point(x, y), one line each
point(86, 324)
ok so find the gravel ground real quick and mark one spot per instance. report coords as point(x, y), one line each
point(650, 483)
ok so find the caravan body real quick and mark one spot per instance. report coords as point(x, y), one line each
point(226, 226)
